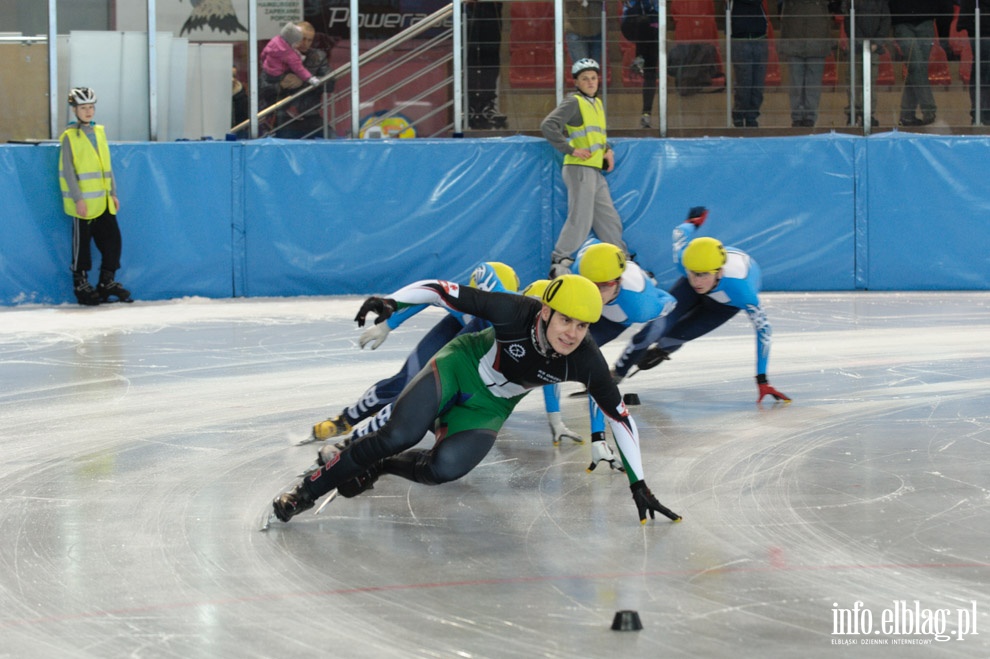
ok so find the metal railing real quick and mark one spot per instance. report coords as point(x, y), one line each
point(372, 54)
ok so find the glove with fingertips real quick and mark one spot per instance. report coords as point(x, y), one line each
point(601, 452)
point(375, 335)
point(383, 307)
point(767, 390)
point(647, 503)
point(561, 431)
point(697, 216)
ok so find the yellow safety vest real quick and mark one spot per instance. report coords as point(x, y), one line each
point(590, 134)
point(93, 170)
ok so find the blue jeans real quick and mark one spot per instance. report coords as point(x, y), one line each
point(749, 64)
point(806, 87)
point(915, 42)
point(581, 47)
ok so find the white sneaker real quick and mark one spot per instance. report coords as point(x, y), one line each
point(637, 65)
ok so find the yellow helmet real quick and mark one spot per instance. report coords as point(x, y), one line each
point(536, 288)
point(574, 296)
point(506, 275)
point(703, 255)
point(602, 262)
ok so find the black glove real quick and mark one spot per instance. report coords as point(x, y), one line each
point(646, 502)
point(382, 306)
point(652, 357)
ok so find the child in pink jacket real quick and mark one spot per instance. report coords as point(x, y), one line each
point(279, 57)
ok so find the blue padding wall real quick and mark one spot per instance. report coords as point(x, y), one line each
point(283, 218)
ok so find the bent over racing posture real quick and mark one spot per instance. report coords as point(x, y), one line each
point(716, 283)
point(471, 386)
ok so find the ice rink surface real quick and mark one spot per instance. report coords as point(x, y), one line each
point(142, 445)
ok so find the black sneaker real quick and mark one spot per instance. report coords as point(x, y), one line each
point(478, 122)
point(288, 505)
point(113, 289)
point(494, 118)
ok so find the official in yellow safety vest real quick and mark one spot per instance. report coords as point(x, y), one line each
point(89, 197)
point(576, 128)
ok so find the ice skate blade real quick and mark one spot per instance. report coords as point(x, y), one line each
point(308, 440)
point(330, 497)
point(267, 522)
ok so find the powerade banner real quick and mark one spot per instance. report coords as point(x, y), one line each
point(379, 19)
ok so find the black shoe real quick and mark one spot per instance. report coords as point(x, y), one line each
point(495, 119)
point(927, 120)
point(910, 121)
point(85, 293)
point(808, 123)
point(874, 123)
point(478, 122)
point(752, 123)
point(288, 505)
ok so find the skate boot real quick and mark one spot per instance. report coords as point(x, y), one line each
point(288, 505)
point(108, 288)
point(85, 293)
point(332, 427)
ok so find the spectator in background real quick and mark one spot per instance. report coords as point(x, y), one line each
point(89, 197)
point(750, 51)
point(640, 25)
point(484, 62)
point(805, 27)
point(308, 120)
point(279, 57)
point(240, 104)
point(913, 23)
point(583, 29)
point(967, 23)
point(873, 23)
point(576, 128)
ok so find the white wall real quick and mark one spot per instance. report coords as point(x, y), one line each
point(194, 83)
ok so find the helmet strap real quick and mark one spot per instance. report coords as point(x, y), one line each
point(539, 335)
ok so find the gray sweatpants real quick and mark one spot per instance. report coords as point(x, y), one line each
point(589, 207)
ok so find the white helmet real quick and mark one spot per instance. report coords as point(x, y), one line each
point(585, 64)
point(81, 96)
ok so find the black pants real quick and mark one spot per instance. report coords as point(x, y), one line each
point(695, 315)
point(414, 415)
point(105, 232)
point(484, 46)
point(643, 32)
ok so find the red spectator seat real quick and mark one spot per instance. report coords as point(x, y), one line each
point(938, 67)
point(531, 44)
point(885, 73)
point(830, 77)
